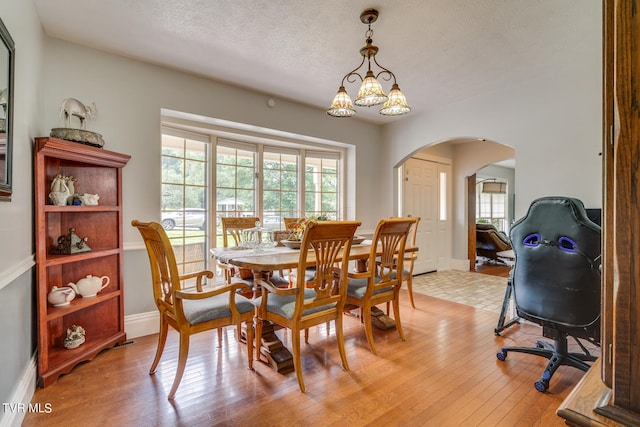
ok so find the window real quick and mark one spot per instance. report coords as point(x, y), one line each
point(321, 185)
point(184, 197)
point(443, 196)
point(491, 208)
point(280, 188)
point(235, 179)
point(283, 190)
point(241, 179)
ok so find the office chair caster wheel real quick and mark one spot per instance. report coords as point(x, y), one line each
point(541, 385)
point(501, 355)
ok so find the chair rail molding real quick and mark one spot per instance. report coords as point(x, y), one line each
point(9, 275)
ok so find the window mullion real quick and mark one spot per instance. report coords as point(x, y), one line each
point(259, 181)
point(302, 184)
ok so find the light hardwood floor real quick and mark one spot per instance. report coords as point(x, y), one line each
point(445, 374)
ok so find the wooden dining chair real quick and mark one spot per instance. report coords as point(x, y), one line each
point(289, 225)
point(290, 222)
point(381, 282)
point(189, 310)
point(410, 258)
point(326, 245)
point(232, 228)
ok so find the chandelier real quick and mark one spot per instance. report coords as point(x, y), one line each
point(370, 92)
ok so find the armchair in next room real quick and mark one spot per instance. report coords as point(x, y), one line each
point(490, 242)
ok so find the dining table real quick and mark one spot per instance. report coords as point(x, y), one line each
point(263, 262)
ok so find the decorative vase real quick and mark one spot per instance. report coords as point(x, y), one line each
point(59, 198)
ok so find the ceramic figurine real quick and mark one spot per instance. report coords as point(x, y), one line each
point(75, 337)
point(89, 199)
point(71, 244)
point(60, 193)
point(70, 182)
point(72, 107)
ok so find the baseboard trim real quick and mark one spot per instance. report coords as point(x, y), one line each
point(13, 416)
point(141, 324)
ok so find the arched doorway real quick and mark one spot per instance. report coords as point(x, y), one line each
point(491, 199)
point(464, 156)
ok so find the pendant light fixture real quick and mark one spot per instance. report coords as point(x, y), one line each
point(371, 92)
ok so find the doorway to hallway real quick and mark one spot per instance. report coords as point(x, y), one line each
point(425, 194)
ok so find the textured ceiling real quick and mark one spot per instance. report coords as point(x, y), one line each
point(441, 51)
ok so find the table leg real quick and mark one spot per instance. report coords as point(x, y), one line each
point(277, 355)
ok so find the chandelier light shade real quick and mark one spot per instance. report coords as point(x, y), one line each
point(341, 105)
point(371, 92)
point(396, 104)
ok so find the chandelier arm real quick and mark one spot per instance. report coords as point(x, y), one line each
point(353, 72)
point(385, 71)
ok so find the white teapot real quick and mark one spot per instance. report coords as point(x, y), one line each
point(61, 296)
point(89, 286)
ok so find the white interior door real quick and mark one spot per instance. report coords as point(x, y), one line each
point(420, 198)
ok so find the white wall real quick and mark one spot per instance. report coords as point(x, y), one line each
point(129, 96)
point(554, 123)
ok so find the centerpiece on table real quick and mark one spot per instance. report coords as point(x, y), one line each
point(297, 231)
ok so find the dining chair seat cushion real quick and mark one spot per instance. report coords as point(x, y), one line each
point(358, 287)
point(285, 305)
point(203, 310)
point(276, 279)
point(309, 274)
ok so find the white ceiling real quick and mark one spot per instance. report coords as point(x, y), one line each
point(441, 51)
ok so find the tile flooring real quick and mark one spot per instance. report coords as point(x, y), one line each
point(465, 287)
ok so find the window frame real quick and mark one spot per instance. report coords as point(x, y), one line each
point(259, 147)
point(500, 222)
point(179, 243)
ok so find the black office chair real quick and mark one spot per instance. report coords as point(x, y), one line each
point(556, 281)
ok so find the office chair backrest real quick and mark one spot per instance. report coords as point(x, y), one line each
point(556, 277)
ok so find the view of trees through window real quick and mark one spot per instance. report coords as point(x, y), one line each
point(321, 187)
point(279, 188)
point(184, 200)
point(268, 182)
point(283, 188)
point(235, 181)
